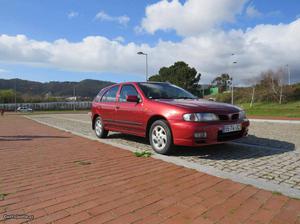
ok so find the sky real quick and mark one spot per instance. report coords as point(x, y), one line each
point(72, 40)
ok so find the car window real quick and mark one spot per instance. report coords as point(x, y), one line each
point(126, 91)
point(164, 91)
point(110, 95)
point(98, 97)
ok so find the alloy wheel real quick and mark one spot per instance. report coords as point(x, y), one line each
point(98, 127)
point(159, 137)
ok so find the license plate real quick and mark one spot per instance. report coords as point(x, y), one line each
point(232, 128)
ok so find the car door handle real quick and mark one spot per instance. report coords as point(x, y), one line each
point(117, 107)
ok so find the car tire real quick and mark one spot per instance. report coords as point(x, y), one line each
point(160, 137)
point(99, 128)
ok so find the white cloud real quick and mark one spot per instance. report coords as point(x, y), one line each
point(274, 14)
point(252, 12)
point(192, 17)
point(72, 14)
point(122, 20)
point(2, 71)
point(255, 49)
point(119, 39)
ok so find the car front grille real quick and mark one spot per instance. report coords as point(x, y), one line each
point(223, 117)
point(234, 117)
point(228, 117)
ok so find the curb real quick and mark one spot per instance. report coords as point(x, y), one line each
point(276, 121)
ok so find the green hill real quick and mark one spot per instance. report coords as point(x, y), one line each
point(87, 88)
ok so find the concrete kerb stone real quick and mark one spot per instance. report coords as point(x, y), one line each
point(275, 121)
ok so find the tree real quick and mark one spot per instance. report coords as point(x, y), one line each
point(179, 74)
point(271, 84)
point(252, 81)
point(222, 81)
point(7, 96)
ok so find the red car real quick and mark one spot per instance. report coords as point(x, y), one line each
point(166, 114)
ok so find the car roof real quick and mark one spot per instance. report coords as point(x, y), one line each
point(123, 83)
point(127, 83)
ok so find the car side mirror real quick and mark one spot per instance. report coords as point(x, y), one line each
point(132, 98)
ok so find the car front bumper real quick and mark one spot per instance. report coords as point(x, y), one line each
point(210, 133)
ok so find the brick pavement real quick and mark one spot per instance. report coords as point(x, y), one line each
point(278, 165)
point(61, 178)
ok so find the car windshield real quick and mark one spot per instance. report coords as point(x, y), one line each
point(164, 91)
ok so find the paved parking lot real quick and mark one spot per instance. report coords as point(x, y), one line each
point(268, 158)
point(57, 177)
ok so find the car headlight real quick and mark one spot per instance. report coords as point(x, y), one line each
point(200, 117)
point(242, 115)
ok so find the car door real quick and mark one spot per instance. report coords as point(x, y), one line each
point(107, 106)
point(129, 115)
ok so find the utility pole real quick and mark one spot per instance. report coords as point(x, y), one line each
point(252, 98)
point(289, 74)
point(280, 97)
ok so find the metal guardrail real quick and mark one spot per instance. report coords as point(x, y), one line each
point(79, 105)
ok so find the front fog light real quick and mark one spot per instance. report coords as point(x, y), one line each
point(200, 134)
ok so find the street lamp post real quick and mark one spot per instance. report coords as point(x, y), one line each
point(232, 86)
point(142, 53)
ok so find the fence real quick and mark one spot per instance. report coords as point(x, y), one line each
point(80, 105)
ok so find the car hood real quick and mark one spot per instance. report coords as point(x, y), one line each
point(200, 105)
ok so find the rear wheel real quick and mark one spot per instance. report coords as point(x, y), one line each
point(99, 128)
point(160, 137)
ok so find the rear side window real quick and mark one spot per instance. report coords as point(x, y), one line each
point(98, 97)
point(126, 91)
point(110, 95)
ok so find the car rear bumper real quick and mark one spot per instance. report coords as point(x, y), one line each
point(184, 132)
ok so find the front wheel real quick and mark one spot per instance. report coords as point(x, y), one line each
point(99, 128)
point(160, 137)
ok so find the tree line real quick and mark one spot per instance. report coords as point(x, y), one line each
point(269, 86)
point(34, 92)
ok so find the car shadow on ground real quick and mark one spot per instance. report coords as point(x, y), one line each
point(28, 137)
point(253, 147)
point(227, 151)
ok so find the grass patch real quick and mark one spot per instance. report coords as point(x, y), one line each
point(276, 193)
point(82, 162)
point(273, 109)
point(142, 153)
point(232, 211)
point(205, 216)
point(2, 196)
